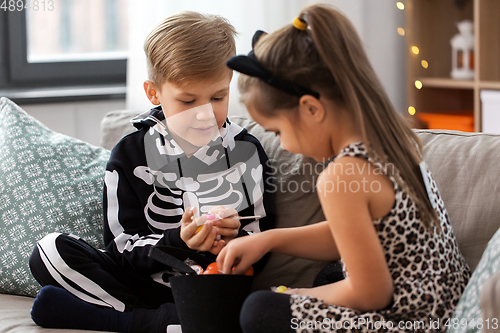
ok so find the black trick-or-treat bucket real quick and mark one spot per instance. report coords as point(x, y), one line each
point(210, 303)
point(205, 303)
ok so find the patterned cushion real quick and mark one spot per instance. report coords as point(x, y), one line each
point(48, 183)
point(467, 316)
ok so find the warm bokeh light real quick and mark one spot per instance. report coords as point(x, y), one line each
point(401, 31)
point(415, 49)
point(411, 110)
point(424, 63)
point(400, 5)
point(418, 84)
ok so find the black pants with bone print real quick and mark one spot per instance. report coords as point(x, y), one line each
point(94, 275)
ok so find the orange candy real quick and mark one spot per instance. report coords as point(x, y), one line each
point(213, 268)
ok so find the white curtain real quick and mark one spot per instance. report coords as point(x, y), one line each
point(376, 22)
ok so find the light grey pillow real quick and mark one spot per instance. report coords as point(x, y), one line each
point(466, 167)
point(114, 126)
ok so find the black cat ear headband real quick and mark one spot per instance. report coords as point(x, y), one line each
point(249, 65)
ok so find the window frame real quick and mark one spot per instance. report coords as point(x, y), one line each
point(17, 75)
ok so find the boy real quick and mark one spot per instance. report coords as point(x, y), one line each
point(186, 159)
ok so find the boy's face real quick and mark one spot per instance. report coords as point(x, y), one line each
point(194, 111)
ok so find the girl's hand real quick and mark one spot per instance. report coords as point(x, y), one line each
point(229, 224)
point(241, 253)
point(298, 291)
point(204, 240)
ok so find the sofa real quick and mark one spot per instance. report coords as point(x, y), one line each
point(466, 167)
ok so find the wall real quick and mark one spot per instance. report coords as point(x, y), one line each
point(80, 120)
point(385, 47)
point(376, 21)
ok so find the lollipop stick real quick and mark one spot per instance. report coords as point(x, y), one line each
point(247, 217)
point(232, 216)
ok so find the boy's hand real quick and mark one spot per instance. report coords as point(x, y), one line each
point(229, 224)
point(204, 240)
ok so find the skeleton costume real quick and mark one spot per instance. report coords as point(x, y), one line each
point(149, 182)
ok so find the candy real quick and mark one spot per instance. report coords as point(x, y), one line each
point(280, 289)
point(212, 269)
point(197, 268)
point(211, 217)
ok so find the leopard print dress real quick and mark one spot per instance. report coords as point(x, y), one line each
point(428, 272)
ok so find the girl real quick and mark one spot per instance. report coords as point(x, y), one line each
point(312, 84)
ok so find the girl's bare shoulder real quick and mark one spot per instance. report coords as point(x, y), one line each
point(355, 178)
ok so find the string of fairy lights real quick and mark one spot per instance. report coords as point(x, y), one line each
point(415, 50)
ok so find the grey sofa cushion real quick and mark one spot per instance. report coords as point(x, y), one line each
point(114, 126)
point(466, 167)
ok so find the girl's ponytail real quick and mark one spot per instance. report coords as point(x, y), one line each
point(329, 57)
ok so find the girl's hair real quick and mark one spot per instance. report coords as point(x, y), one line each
point(187, 46)
point(328, 57)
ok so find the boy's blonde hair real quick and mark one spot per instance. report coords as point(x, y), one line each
point(328, 57)
point(189, 45)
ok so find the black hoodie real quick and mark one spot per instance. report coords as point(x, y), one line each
point(150, 181)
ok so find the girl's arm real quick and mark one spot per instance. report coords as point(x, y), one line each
point(311, 242)
point(350, 212)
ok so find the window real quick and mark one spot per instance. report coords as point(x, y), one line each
point(69, 47)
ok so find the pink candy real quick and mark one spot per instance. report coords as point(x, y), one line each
point(212, 217)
